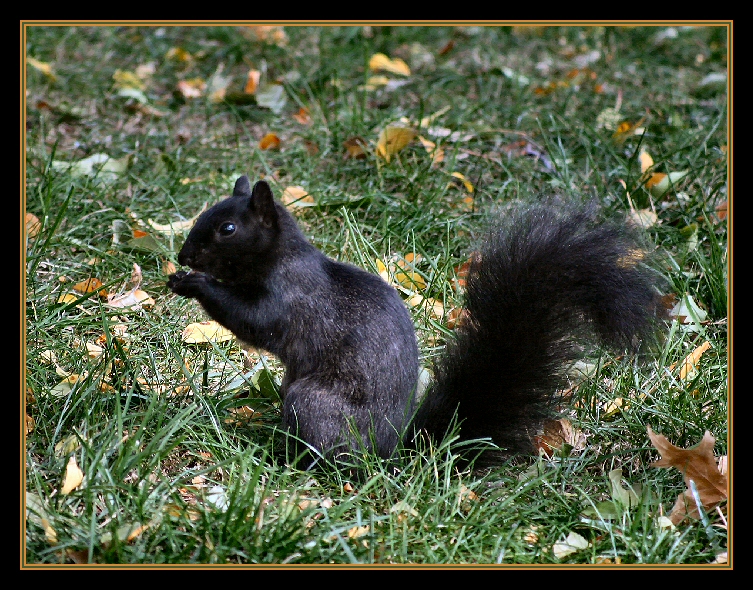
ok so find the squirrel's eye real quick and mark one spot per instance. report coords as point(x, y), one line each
point(227, 228)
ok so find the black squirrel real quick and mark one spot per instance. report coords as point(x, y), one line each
point(546, 276)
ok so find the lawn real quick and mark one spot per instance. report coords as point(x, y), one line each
point(145, 442)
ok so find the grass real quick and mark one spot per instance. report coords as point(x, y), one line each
point(177, 443)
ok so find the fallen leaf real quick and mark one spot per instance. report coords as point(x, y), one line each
point(73, 476)
point(644, 218)
point(252, 82)
point(690, 363)
point(41, 66)
point(209, 331)
point(573, 543)
point(355, 148)
point(358, 531)
point(696, 464)
point(297, 196)
point(135, 298)
point(193, 88)
point(659, 183)
point(392, 139)
point(646, 161)
point(380, 62)
point(32, 225)
point(90, 285)
point(464, 180)
point(269, 142)
point(303, 116)
point(172, 227)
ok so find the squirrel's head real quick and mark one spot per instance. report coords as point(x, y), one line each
point(234, 240)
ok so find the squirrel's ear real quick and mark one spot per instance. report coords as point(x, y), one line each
point(263, 203)
point(242, 187)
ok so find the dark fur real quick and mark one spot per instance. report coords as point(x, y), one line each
point(543, 279)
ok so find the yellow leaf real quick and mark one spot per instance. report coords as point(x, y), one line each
point(209, 331)
point(464, 180)
point(67, 298)
point(380, 62)
point(375, 81)
point(174, 226)
point(437, 154)
point(297, 196)
point(73, 476)
point(690, 363)
point(178, 54)
point(392, 139)
point(49, 533)
point(41, 66)
point(126, 79)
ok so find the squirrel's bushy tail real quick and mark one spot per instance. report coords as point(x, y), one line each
point(547, 277)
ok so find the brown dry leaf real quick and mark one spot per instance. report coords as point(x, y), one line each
point(690, 363)
point(32, 225)
point(697, 464)
point(355, 147)
point(380, 62)
point(209, 331)
point(296, 196)
point(392, 139)
point(721, 211)
point(90, 285)
point(73, 476)
point(557, 434)
point(269, 142)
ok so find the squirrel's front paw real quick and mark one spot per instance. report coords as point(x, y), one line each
point(187, 284)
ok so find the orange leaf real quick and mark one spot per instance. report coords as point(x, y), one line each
point(269, 142)
point(252, 83)
point(90, 285)
point(303, 116)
